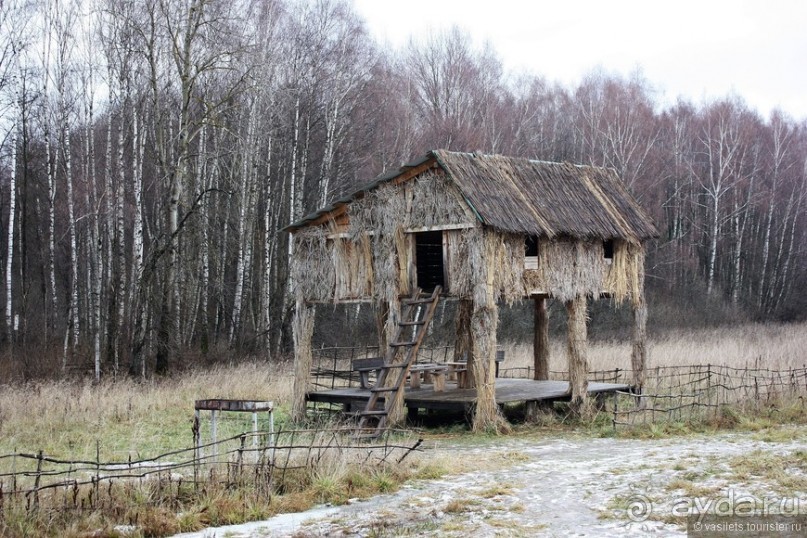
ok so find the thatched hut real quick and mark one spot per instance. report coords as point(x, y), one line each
point(487, 228)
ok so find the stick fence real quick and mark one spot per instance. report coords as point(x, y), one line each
point(35, 481)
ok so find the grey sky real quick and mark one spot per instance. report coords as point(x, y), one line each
point(699, 49)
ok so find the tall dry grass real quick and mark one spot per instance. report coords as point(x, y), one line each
point(126, 417)
point(769, 345)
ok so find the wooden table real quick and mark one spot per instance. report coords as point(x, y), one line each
point(434, 372)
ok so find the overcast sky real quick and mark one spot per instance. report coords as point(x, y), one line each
point(699, 49)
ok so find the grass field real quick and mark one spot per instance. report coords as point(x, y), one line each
point(125, 418)
point(774, 346)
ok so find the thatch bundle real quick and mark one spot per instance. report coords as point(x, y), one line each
point(577, 354)
point(436, 201)
point(372, 221)
point(572, 268)
point(303, 331)
point(312, 267)
point(625, 278)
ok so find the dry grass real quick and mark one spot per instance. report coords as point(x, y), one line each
point(127, 417)
point(66, 419)
point(774, 346)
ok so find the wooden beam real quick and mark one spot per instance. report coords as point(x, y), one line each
point(639, 352)
point(541, 339)
point(441, 228)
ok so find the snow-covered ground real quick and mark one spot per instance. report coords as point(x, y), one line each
point(554, 486)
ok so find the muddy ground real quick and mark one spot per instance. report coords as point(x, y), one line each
point(572, 485)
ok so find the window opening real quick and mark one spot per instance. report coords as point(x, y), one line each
point(608, 249)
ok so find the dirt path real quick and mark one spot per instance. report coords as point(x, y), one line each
point(559, 486)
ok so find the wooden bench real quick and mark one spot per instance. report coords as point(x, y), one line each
point(365, 367)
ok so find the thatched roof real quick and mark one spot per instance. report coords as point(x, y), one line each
point(526, 196)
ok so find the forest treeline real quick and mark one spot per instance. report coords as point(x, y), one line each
point(151, 151)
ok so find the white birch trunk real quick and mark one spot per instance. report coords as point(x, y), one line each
point(12, 205)
point(268, 234)
point(714, 231)
point(120, 240)
point(244, 240)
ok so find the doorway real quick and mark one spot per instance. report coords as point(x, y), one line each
point(429, 260)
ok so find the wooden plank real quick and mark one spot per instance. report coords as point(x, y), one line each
point(441, 227)
point(452, 398)
point(248, 406)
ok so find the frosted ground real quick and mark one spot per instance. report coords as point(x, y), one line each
point(566, 485)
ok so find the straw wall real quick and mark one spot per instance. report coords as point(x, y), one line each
point(503, 255)
point(312, 269)
point(625, 276)
point(568, 268)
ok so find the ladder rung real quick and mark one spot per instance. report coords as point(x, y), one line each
point(410, 323)
point(394, 365)
point(402, 344)
point(377, 412)
point(383, 389)
point(417, 301)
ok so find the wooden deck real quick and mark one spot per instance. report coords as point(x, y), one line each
point(453, 399)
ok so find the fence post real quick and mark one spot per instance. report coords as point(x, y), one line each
point(213, 434)
point(240, 460)
point(616, 407)
point(197, 443)
point(255, 435)
point(97, 468)
point(37, 479)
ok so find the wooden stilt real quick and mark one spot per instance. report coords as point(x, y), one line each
point(463, 346)
point(541, 339)
point(303, 329)
point(578, 353)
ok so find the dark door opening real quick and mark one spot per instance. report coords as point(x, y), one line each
point(429, 260)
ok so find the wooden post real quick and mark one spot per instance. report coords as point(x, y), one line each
point(577, 338)
point(483, 328)
point(214, 428)
point(303, 329)
point(462, 346)
point(541, 339)
point(638, 357)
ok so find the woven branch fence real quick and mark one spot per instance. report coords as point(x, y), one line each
point(687, 393)
point(40, 482)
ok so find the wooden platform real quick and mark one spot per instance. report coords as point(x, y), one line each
point(507, 391)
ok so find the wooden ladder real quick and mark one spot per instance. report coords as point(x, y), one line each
point(416, 314)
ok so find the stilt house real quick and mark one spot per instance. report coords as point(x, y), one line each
point(486, 229)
